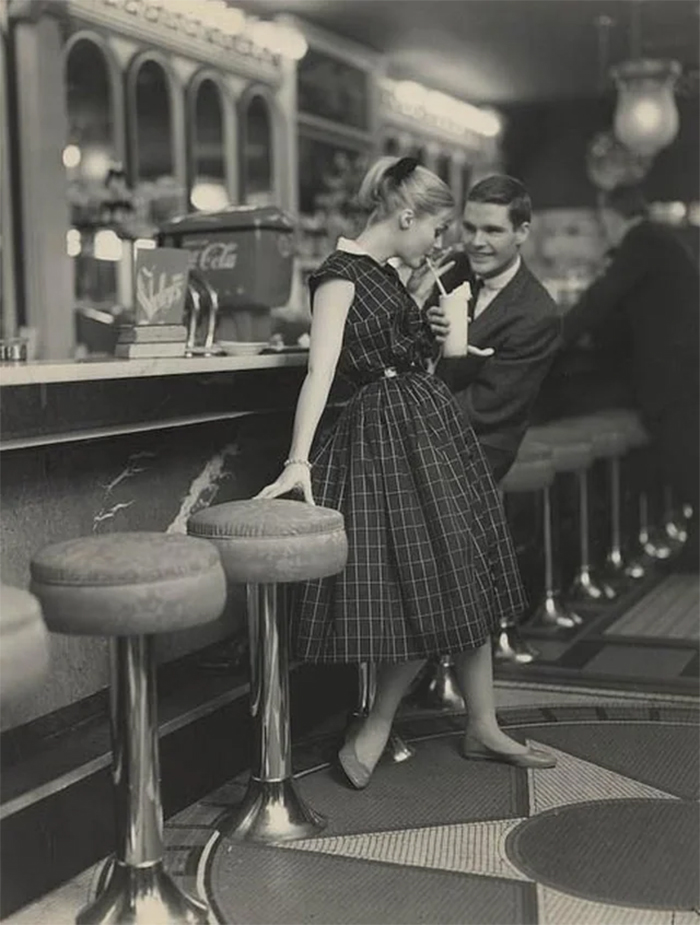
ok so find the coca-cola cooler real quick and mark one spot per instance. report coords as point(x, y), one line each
point(246, 254)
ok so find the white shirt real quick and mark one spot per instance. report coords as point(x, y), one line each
point(493, 285)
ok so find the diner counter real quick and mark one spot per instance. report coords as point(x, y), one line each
point(47, 371)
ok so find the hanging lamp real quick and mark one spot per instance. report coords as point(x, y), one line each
point(646, 116)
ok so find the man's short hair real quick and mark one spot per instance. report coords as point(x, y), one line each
point(627, 201)
point(503, 190)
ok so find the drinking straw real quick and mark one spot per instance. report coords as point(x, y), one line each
point(437, 278)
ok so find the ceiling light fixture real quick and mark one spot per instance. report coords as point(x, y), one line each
point(646, 115)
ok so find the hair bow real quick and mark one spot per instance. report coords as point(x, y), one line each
point(403, 168)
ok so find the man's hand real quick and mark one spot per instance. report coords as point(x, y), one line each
point(439, 323)
point(421, 281)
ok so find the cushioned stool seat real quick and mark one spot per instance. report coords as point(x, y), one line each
point(570, 452)
point(24, 650)
point(267, 544)
point(529, 474)
point(129, 586)
point(125, 584)
point(274, 541)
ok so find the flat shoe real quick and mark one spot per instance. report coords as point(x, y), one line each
point(356, 772)
point(532, 758)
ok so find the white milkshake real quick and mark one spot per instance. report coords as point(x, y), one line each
point(454, 304)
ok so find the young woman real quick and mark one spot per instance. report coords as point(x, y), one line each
point(431, 567)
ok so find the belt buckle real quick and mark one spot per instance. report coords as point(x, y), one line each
point(390, 372)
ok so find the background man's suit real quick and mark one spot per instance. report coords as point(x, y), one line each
point(497, 393)
point(648, 299)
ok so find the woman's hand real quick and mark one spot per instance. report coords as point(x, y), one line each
point(421, 281)
point(439, 323)
point(293, 476)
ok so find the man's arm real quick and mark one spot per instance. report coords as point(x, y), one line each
point(499, 400)
point(603, 296)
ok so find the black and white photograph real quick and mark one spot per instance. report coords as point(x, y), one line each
point(350, 462)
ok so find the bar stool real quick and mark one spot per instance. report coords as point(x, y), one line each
point(569, 453)
point(622, 559)
point(24, 647)
point(130, 586)
point(612, 439)
point(267, 544)
point(397, 749)
point(604, 442)
point(533, 470)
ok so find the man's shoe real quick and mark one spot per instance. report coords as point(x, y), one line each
point(532, 758)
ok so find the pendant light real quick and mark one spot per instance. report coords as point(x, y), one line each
point(646, 116)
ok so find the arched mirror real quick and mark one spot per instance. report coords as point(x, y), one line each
point(90, 145)
point(153, 143)
point(154, 136)
point(257, 184)
point(208, 190)
point(96, 189)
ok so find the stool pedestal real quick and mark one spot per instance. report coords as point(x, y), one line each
point(397, 749)
point(135, 887)
point(585, 586)
point(653, 547)
point(551, 613)
point(508, 646)
point(272, 808)
point(439, 689)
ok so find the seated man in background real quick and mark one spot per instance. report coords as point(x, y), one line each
point(651, 286)
point(512, 313)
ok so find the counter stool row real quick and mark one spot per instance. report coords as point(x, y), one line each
point(573, 445)
point(131, 586)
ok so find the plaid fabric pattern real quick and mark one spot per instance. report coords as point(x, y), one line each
point(431, 567)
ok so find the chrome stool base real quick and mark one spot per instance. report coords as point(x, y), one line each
point(587, 588)
point(553, 614)
point(272, 811)
point(142, 896)
point(636, 568)
point(441, 692)
point(398, 749)
point(509, 647)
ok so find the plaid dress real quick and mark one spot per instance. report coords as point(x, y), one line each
point(431, 566)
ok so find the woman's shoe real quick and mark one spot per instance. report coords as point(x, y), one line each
point(473, 750)
point(356, 772)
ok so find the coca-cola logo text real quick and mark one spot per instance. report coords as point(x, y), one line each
point(216, 256)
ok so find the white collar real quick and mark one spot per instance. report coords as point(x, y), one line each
point(348, 246)
point(501, 280)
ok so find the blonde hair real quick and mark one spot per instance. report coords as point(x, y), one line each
point(395, 183)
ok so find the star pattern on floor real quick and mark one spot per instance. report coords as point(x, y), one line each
point(481, 848)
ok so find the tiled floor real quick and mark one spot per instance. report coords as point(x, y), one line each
point(646, 640)
point(440, 840)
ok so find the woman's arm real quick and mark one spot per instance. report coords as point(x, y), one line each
point(332, 302)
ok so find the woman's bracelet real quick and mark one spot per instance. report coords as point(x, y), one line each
point(297, 462)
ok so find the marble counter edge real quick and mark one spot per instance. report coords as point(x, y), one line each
point(47, 371)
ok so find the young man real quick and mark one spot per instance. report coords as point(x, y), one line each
point(512, 313)
point(650, 295)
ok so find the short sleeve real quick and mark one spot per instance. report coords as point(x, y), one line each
point(334, 267)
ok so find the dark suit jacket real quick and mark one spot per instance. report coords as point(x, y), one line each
point(522, 324)
point(650, 296)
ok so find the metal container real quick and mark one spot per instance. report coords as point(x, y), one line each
point(245, 252)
